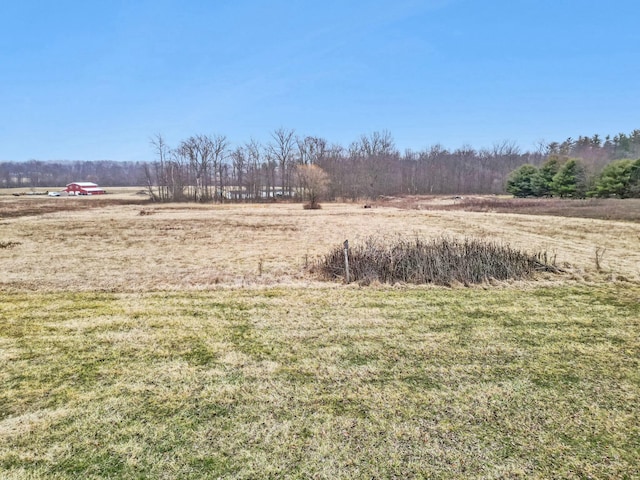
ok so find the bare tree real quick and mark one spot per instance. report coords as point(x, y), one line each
point(269, 167)
point(239, 165)
point(197, 149)
point(378, 143)
point(311, 150)
point(254, 156)
point(218, 145)
point(314, 182)
point(149, 181)
point(167, 173)
point(176, 174)
point(161, 151)
point(281, 150)
point(206, 156)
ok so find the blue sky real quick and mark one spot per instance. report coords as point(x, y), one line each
point(89, 80)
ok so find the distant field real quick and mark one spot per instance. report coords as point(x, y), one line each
point(119, 244)
point(18, 202)
point(143, 340)
point(597, 208)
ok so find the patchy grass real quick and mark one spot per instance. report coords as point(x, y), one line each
point(342, 383)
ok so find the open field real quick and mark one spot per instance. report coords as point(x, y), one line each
point(89, 245)
point(597, 208)
point(15, 202)
point(190, 341)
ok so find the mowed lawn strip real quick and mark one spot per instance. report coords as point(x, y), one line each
point(338, 383)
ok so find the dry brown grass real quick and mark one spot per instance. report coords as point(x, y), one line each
point(597, 208)
point(12, 206)
point(113, 247)
point(529, 380)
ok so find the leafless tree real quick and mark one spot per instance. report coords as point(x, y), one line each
point(378, 143)
point(281, 150)
point(239, 164)
point(198, 149)
point(161, 151)
point(206, 156)
point(311, 150)
point(313, 182)
point(254, 160)
point(219, 153)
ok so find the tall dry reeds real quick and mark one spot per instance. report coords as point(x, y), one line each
point(441, 261)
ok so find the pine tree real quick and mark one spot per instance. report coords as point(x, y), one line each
point(520, 181)
point(615, 180)
point(571, 180)
point(542, 181)
point(634, 180)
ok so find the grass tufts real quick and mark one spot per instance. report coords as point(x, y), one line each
point(441, 261)
point(312, 206)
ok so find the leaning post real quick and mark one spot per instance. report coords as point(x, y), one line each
point(346, 261)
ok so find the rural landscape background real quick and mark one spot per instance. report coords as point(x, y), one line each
point(366, 239)
point(149, 339)
point(207, 167)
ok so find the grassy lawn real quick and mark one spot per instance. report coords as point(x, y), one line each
point(344, 382)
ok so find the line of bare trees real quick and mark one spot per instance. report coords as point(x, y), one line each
point(39, 173)
point(204, 168)
point(196, 170)
point(207, 168)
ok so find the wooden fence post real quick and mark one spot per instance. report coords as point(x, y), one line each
point(346, 261)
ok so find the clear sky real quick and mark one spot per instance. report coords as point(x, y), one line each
point(95, 79)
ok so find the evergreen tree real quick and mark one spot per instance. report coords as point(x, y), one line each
point(634, 180)
point(520, 181)
point(615, 180)
point(542, 181)
point(571, 180)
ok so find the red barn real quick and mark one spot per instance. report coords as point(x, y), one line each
point(83, 188)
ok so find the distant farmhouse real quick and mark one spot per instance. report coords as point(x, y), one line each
point(83, 188)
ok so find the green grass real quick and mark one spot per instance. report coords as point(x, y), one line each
point(338, 383)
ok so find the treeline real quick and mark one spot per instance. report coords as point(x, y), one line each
point(205, 168)
point(210, 168)
point(594, 151)
point(570, 178)
point(38, 173)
